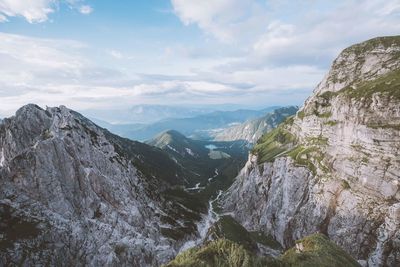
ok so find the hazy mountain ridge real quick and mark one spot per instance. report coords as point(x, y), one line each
point(253, 129)
point(146, 114)
point(334, 167)
point(198, 127)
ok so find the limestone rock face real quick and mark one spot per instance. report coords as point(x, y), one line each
point(339, 173)
point(362, 62)
point(73, 194)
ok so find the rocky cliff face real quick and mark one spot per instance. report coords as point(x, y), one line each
point(72, 193)
point(335, 167)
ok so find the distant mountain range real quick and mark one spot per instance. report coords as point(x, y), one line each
point(147, 114)
point(253, 129)
point(198, 127)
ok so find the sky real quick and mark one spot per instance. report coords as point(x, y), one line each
point(102, 54)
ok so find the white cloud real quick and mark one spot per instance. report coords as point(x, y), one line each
point(53, 72)
point(224, 19)
point(116, 54)
point(60, 72)
point(3, 18)
point(36, 11)
point(85, 9)
point(290, 32)
point(187, 87)
point(41, 53)
point(278, 35)
point(32, 11)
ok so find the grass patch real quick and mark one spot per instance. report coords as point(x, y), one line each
point(304, 158)
point(331, 123)
point(388, 85)
point(318, 141)
point(227, 228)
point(301, 114)
point(274, 143)
point(313, 251)
point(345, 185)
point(222, 253)
point(327, 96)
point(295, 152)
point(385, 41)
point(384, 126)
point(265, 240)
point(324, 115)
point(309, 157)
point(289, 120)
point(316, 251)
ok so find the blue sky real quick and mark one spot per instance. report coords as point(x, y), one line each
point(103, 54)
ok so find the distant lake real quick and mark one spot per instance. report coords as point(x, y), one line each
point(211, 147)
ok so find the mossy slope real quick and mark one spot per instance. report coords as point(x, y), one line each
point(312, 251)
point(222, 253)
point(317, 251)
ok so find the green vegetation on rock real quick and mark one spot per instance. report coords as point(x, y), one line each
point(227, 228)
point(303, 156)
point(312, 251)
point(331, 123)
point(274, 143)
point(265, 240)
point(301, 114)
point(221, 253)
point(388, 85)
point(385, 41)
point(384, 126)
point(345, 184)
point(317, 251)
point(324, 115)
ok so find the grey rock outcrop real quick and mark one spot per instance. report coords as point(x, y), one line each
point(73, 194)
point(335, 168)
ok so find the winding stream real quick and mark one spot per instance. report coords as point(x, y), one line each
point(203, 226)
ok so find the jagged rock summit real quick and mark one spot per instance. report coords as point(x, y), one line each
point(335, 167)
point(71, 193)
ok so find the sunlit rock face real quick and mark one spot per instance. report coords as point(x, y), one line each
point(339, 172)
point(73, 194)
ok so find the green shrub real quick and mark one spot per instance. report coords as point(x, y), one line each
point(345, 185)
point(331, 123)
point(301, 114)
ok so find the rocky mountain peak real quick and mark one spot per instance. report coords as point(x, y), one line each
point(361, 62)
point(68, 179)
point(334, 168)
